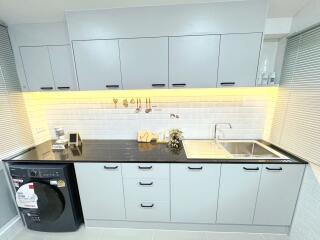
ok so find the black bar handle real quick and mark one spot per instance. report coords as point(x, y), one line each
point(110, 168)
point(145, 168)
point(112, 86)
point(227, 83)
point(145, 184)
point(251, 169)
point(63, 88)
point(46, 88)
point(179, 84)
point(274, 169)
point(147, 206)
point(158, 85)
point(195, 168)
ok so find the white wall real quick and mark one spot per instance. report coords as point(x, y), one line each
point(306, 221)
point(277, 27)
point(213, 18)
point(306, 17)
point(35, 35)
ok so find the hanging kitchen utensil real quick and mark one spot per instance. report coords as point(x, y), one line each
point(115, 101)
point(125, 103)
point(147, 106)
point(150, 107)
point(132, 101)
point(137, 109)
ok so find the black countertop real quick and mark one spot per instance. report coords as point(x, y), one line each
point(127, 151)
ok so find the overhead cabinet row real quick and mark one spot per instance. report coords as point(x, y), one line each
point(144, 63)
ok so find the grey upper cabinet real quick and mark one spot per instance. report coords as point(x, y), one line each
point(97, 64)
point(239, 58)
point(278, 193)
point(37, 68)
point(62, 67)
point(193, 61)
point(144, 63)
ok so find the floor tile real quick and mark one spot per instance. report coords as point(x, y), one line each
point(178, 235)
point(126, 234)
point(137, 234)
point(275, 237)
point(233, 236)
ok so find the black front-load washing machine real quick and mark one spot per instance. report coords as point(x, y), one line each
point(47, 196)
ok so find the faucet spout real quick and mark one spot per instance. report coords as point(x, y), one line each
point(216, 125)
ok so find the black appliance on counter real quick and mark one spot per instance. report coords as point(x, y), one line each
point(47, 196)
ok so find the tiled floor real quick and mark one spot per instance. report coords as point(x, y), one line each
point(132, 234)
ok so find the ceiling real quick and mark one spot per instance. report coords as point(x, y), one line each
point(35, 11)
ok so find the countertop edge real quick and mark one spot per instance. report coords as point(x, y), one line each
point(297, 160)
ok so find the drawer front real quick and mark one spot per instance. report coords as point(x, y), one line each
point(146, 170)
point(146, 189)
point(152, 211)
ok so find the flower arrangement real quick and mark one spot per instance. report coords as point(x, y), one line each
point(175, 141)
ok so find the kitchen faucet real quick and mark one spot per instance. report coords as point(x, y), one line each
point(216, 127)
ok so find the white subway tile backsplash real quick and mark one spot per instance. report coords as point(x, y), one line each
point(96, 117)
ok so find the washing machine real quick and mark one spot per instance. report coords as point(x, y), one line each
point(47, 196)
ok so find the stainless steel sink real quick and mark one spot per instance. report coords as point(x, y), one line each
point(230, 149)
point(250, 149)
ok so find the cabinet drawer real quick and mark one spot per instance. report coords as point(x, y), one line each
point(148, 211)
point(146, 189)
point(145, 170)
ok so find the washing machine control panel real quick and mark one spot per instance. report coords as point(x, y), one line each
point(45, 173)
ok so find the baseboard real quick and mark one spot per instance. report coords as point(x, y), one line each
point(188, 227)
point(11, 229)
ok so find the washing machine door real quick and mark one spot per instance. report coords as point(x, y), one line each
point(40, 199)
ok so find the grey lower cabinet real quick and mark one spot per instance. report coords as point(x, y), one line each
point(229, 194)
point(97, 64)
point(239, 184)
point(101, 190)
point(194, 192)
point(144, 63)
point(193, 61)
point(239, 59)
point(278, 193)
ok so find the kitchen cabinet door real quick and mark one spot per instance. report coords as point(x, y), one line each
point(144, 63)
point(194, 192)
point(193, 61)
point(239, 59)
point(101, 190)
point(278, 193)
point(97, 64)
point(238, 193)
point(62, 67)
point(37, 68)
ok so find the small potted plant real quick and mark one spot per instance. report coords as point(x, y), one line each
point(175, 139)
